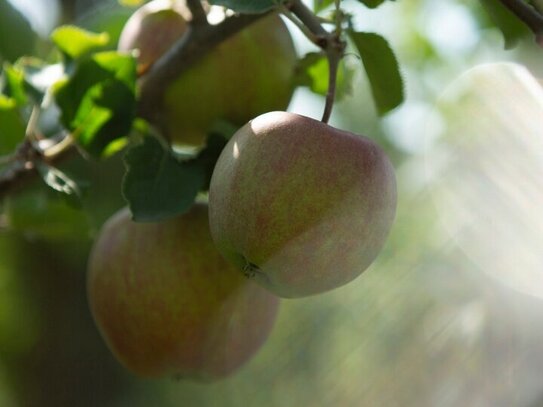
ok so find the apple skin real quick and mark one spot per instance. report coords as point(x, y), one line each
point(249, 73)
point(246, 75)
point(152, 30)
point(299, 206)
point(167, 303)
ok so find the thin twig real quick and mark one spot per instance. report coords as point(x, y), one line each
point(32, 125)
point(294, 20)
point(307, 17)
point(339, 16)
point(59, 148)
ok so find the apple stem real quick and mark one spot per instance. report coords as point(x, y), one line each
point(330, 42)
point(529, 15)
point(333, 63)
point(334, 52)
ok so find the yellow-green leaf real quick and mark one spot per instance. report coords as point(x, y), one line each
point(76, 42)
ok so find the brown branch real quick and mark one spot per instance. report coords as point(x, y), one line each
point(307, 17)
point(27, 156)
point(199, 15)
point(15, 176)
point(21, 167)
point(196, 43)
point(529, 15)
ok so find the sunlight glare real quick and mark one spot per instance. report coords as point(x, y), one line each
point(489, 193)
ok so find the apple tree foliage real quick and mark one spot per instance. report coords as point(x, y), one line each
point(85, 93)
point(75, 90)
point(92, 91)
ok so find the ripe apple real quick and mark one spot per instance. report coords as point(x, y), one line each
point(299, 206)
point(167, 303)
point(246, 75)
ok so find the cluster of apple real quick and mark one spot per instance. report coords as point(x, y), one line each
point(295, 208)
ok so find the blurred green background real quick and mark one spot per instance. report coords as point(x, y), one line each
point(429, 324)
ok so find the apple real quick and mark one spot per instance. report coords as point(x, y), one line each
point(249, 73)
point(167, 303)
point(299, 206)
point(153, 29)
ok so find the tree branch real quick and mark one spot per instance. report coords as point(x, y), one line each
point(196, 43)
point(199, 15)
point(21, 167)
point(307, 17)
point(529, 15)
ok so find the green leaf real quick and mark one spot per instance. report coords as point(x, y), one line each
point(109, 17)
point(16, 36)
point(98, 102)
point(382, 69)
point(40, 212)
point(157, 185)
point(312, 72)
point(12, 127)
point(306, 68)
point(30, 78)
point(14, 86)
point(131, 3)
point(511, 27)
point(319, 5)
point(75, 42)
point(372, 3)
point(247, 6)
